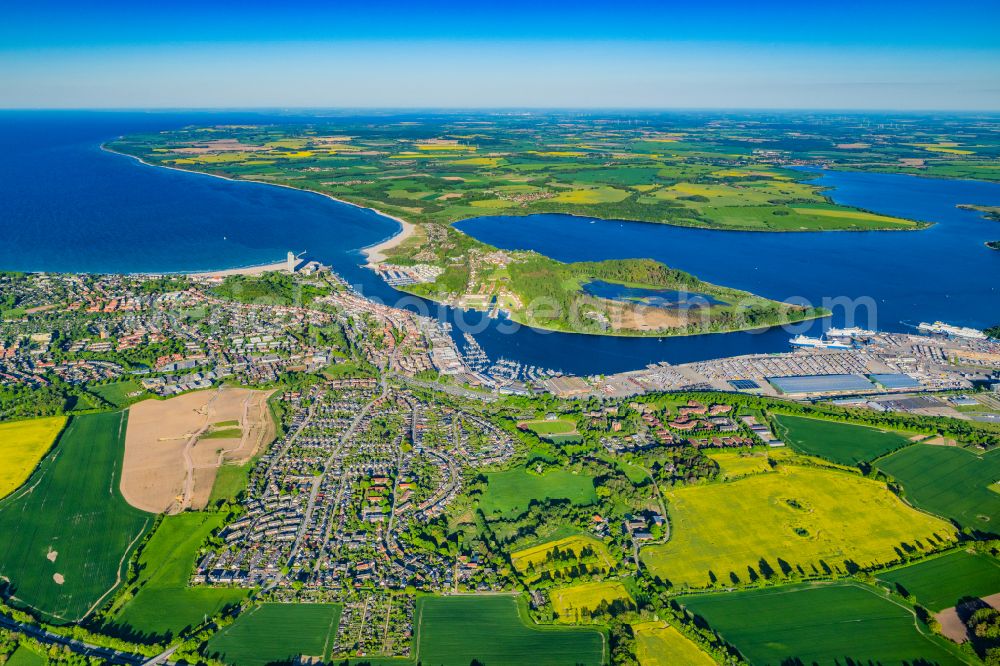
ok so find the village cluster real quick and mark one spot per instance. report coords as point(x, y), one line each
point(337, 503)
point(694, 424)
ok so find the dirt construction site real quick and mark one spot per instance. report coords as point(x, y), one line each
point(173, 448)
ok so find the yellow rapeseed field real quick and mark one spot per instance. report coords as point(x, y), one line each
point(853, 215)
point(558, 153)
point(22, 445)
point(594, 195)
point(796, 521)
point(446, 147)
point(659, 644)
point(477, 161)
point(537, 554)
point(570, 602)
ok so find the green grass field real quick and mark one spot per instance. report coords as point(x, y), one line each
point(842, 443)
point(22, 446)
point(823, 624)
point(510, 492)
point(950, 482)
point(117, 393)
point(25, 656)
point(277, 632)
point(798, 519)
point(165, 604)
point(659, 644)
point(939, 582)
point(223, 433)
point(69, 522)
point(735, 465)
point(230, 481)
point(457, 629)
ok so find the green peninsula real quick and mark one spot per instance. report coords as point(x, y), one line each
point(433, 170)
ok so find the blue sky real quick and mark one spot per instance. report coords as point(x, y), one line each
point(850, 55)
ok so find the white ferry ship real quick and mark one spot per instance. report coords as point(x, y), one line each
point(954, 331)
point(817, 343)
point(853, 332)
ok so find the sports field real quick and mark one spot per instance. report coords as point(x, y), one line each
point(454, 630)
point(277, 633)
point(939, 582)
point(659, 644)
point(510, 492)
point(950, 482)
point(832, 623)
point(800, 519)
point(576, 602)
point(557, 427)
point(68, 532)
point(22, 445)
point(842, 443)
point(165, 604)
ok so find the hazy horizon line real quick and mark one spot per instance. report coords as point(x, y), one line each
point(509, 109)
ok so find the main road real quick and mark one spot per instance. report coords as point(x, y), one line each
point(79, 647)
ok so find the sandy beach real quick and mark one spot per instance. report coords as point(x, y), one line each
point(376, 253)
point(248, 270)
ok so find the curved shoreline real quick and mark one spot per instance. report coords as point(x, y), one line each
point(373, 253)
point(376, 253)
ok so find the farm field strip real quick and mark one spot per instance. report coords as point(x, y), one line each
point(939, 582)
point(277, 632)
point(22, 446)
point(799, 519)
point(842, 443)
point(454, 630)
point(659, 644)
point(71, 530)
point(25, 656)
point(949, 481)
point(809, 622)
